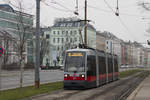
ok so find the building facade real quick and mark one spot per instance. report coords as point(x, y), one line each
point(66, 33)
point(18, 23)
point(8, 43)
point(100, 41)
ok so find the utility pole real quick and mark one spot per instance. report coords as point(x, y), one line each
point(37, 63)
point(85, 24)
point(1, 59)
point(106, 60)
point(113, 60)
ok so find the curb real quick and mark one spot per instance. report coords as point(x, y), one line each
point(134, 93)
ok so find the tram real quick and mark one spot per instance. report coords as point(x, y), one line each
point(88, 68)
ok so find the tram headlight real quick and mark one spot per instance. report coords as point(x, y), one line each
point(82, 75)
point(65, 75)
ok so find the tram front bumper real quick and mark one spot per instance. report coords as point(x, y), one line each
point(75, 84)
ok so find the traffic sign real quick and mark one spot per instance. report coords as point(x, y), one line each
point(1, 51)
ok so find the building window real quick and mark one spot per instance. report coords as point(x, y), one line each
point(53, 40)
point(75, 39)
point(47, 43)
point(58, 40)
point(54, 32)
point(75, 32)
point(47, 36)
point(58, 48)
point(66, 39)
point(79, 39)
point(66, 32)
point(70, 39)
point(62, 48)
point(69, 24)
point(76, 24)
point(62, 40)
point(70, 32)
point(107, 42)
point(54, 48)
point(58, 32)
point(63, 32)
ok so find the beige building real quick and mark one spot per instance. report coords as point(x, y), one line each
point(148, 57)
point(100, 41)
point(108, 42)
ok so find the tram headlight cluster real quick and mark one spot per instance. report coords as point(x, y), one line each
point(66, 75)
point(82, 75)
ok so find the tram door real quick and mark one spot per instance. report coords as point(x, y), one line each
point(91, 72)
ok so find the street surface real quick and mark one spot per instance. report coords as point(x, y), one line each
point(118, 90)
point(10, 79)
point(142, 92)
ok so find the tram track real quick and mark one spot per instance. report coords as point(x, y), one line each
point(126, 92)
point(123, 85)
point(120, 91)
point(117, 90)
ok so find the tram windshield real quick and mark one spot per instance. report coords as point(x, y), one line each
point(75, 62)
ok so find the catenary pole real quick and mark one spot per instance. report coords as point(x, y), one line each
point(37, 62)
point(85, 23)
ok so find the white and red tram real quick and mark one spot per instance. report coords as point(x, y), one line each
point(87, 68)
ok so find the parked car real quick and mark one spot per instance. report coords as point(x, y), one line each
point(124, 66)
point(43, 67)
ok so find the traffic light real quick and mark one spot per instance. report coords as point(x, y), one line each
point(148, 42)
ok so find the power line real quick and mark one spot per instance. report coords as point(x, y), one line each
point(56, 7)
point(123, 24)
point(68, 10)
point(109, 6)
point(108, 11)
point(117, 16)
point(54, 2)
point(121, 21)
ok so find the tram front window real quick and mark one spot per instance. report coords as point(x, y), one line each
point(75, 62)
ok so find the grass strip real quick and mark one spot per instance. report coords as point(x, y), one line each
point(128, 73)
point(17, 94)
point(25, 92)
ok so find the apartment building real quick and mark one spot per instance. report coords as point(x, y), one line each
point(66, 33)
point(17, 22)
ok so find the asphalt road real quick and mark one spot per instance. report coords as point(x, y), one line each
point(10, 79)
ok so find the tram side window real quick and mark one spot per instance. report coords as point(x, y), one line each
point(110, 65)
point(102, 68)
point(91, 64)
point(116, 65)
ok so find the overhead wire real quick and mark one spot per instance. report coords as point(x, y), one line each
point(121, 21)
point(54, 2)
point(109, 11)
point(109, 6)
point(63, 10)
point(56, 7)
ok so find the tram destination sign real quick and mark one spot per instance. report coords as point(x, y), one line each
point(1, 51)
point(75, 54)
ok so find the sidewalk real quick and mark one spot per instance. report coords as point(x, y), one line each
point(142, 92)
point(5, 73)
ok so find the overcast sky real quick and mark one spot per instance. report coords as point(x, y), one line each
point(128, 26)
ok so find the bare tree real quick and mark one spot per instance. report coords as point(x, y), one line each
point(24, 30)
point(44, 48)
